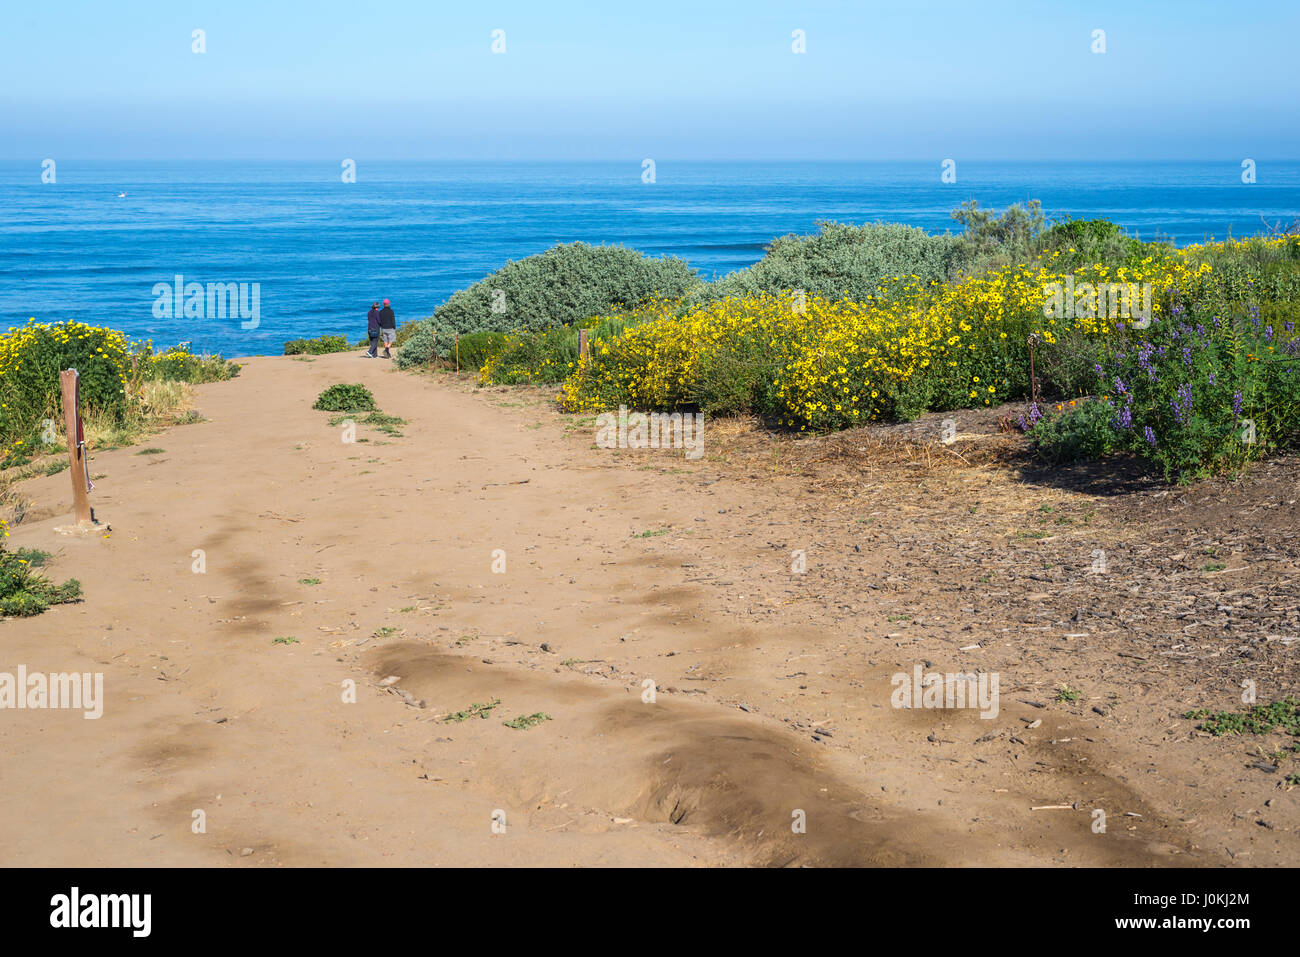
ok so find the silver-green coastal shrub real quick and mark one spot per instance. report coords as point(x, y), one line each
point(566, 284)
point(842, 260)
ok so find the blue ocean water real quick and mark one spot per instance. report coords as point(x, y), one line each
point(322, 250)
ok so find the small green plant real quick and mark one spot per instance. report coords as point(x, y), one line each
point(343, 397)
point(284, 640)
point(525, 721)
point(475, 710)
point(308, 581)
point(34, 557)
point(1066, 693)
point(54, 468)
point(1259, 719)
point(385, 631)
point(1214, 567)
point(23, 590)
point(151, 451)
point(651, 534)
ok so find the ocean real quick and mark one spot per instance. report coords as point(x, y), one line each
point(317, 251)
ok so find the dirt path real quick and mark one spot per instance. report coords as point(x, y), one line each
point(616, 572)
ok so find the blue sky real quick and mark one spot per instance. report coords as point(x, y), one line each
point(407, 79)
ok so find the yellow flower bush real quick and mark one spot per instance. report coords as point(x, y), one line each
point(813, 362)
point(111, 368)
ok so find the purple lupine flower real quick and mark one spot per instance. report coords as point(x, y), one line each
point(1268, 333)
point(1181, 404)
point(1236, 402)
point(1124, 418)
point(1149, 435)
point(1211, 378)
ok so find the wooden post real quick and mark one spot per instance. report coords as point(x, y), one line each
point(583, 350)
point(76, 451)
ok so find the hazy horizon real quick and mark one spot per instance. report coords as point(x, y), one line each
point(408, 80)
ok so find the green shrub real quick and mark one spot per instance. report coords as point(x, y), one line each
point(1196, 393)
point(561, 286)
point(477, 348)
point(418, 346)
point(178, 364)
point(841, 260)
point(993, 241)
point(1080, 242)
point(1079, 432)
point(342, 397)
point(545, 357)
point(319, 346)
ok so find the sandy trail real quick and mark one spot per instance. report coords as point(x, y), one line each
point(615, 574)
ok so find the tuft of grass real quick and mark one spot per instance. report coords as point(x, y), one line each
point(284, 640)
point(1066, 693)
point(476, 710)
point(650, 534)
point(1213, 567)
point(151, 451)
point(308, 581)
point(55, 467)
point(525, 721)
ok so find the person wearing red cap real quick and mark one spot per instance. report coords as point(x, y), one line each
point(387, 328)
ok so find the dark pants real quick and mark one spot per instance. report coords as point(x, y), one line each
point(374, 342)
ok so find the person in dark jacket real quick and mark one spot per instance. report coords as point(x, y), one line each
point(387, 327)
point(372, 331)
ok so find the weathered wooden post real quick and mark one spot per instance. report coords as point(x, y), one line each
point(583, 350)
point(69, 383)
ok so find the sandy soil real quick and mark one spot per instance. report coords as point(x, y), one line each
point(772, 689)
